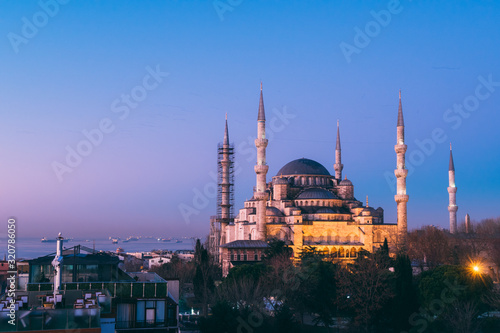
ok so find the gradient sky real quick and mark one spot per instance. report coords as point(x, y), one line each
point(66, 76)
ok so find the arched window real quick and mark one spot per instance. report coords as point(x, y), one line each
point(353, 253)
point(341, 253)
point(334, 252)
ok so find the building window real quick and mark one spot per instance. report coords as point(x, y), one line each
point(341, 253)
point(150, 313)
point(353, 253)
point(232, 255)
point(238, 258)
point(255, 255)
point(245, 256)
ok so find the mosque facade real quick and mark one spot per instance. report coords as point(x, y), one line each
point(303, 205)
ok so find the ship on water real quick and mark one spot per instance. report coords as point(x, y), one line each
point(164, 239)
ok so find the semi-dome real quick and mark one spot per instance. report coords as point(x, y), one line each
point(316, 193)
point(303, 166)
point(273, 211)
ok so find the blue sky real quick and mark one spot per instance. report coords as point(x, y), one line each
point(71, 71)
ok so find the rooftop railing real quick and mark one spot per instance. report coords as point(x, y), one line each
point(115, 289)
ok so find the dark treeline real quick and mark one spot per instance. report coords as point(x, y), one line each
point(376, 293)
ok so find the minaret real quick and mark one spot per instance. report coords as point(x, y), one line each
point(468, 225)
point(452, 191)
point(57, 264)
point(401, 172)
point(225, 185)
point(225, 196)
point(261, 170)
point(338, 166)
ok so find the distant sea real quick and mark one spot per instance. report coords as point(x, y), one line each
point(29, 248)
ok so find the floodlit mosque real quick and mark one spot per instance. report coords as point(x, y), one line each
point(303, 205)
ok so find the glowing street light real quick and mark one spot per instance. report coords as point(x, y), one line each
point(475, 267)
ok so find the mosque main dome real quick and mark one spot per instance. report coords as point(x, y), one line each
point(303, 166)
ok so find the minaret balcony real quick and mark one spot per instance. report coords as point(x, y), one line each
point(260, 196)
point(401, 173)
point(261, 143)
point(400, 149)
point(401, 198)
point(452, 189)
point(452, 208)
point(261, 168)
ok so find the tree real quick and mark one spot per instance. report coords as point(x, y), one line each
point(405, 300)
point(429, 245)
point(176, 269)
point(244, 287)
point(203, 281)
point(223, 319)
point(451, 291)
point(461, 317)
point(381, 256)
point(364, 288)
point(318, 287)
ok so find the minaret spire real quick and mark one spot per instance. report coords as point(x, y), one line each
point(226, 135)
point(400, 112)
point(338, 166)
point(401, 172)
point(262, 113)
point(452, 192)
point(260, 194)
point(452, 165)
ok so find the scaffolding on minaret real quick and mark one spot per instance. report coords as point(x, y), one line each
point(225, 196)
